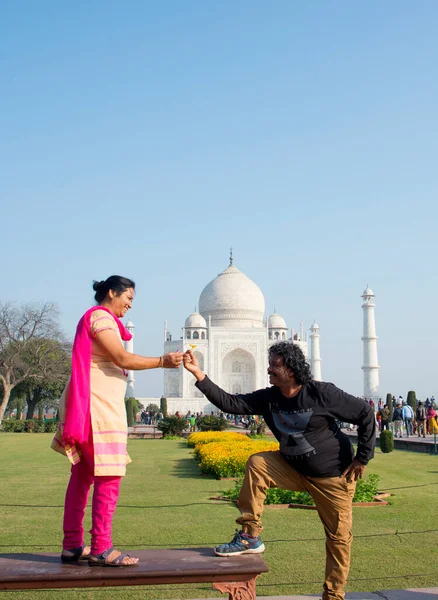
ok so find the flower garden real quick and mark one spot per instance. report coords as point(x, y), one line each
point(224, 454)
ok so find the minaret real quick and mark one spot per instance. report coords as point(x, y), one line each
point(129, 345)
point(315, 356)
point(370, 364)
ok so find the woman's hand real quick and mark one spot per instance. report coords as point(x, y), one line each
point(192, 365)
point(172, 360)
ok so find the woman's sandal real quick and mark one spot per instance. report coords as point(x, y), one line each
point(76, 554)
point(102, 560)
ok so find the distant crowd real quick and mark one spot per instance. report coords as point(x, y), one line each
point(405, 420)
point(399, 416)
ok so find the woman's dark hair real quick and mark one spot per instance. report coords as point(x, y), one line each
point(294, 359)
point(116, 283)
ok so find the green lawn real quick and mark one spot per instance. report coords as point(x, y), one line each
point(164, 503)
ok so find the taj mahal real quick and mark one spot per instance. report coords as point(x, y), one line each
point(230, 336)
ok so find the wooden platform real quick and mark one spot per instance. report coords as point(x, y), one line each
point(235, 574)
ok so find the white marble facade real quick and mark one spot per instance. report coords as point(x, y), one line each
point(230, 337)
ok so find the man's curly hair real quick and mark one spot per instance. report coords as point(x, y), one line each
point(294, 359)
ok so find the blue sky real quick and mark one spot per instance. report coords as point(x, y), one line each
point(146, 138)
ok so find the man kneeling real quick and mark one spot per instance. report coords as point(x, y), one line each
point(315, 456)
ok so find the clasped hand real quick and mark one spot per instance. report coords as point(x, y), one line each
point(173, 360)
point(190, 361)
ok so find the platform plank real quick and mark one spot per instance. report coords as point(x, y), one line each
point(194, 565)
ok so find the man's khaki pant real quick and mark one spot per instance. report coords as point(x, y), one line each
point(333, 498)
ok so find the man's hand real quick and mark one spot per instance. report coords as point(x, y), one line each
point(192, 365)
point(172, 360)
point(354, 471)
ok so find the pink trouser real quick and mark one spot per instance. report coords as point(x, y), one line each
point(105, 496)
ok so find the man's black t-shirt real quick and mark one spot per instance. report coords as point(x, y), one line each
point(305, 425)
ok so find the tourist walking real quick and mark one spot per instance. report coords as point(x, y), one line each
point(408, 415)
point(420, 415)
point(92, 432)
point(192, 423)
point(314, 456)
point(397, 419)
point(385, 415)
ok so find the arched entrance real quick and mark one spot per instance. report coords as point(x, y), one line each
point(238, 372)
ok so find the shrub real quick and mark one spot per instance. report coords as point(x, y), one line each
point(39, 427)
point(172, 426)
point(50, 426)
point(29, 426)
point(228, 459)
point(206, 437)
point(366, 490)
point(163, 406)
point(274, 495)
point(13, 426)
point(386, 441)
point(211, 423)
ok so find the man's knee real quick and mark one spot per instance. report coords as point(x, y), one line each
point(338, 528)
point(257, 462)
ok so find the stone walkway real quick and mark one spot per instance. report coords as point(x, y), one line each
point(409, 594)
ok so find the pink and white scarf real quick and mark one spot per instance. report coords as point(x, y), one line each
point(77, 423)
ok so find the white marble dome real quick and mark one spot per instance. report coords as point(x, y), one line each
point(195, 320)
point(368, 292)
point(275, 321)
point(232, 300)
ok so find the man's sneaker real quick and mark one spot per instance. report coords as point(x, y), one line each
point(242, 543)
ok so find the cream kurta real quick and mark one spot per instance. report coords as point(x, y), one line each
point(107, 407)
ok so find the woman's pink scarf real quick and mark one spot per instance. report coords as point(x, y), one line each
point(77, 413)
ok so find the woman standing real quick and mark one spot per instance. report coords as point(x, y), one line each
point(93, 431)
point(432, 426)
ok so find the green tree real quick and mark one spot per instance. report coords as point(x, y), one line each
point(17, 402)
point(389, 403)
point(412, 400)
point(153, 408)
point(129, 411)
point(163, 406)
point(133, 406)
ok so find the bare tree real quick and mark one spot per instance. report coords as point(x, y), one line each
point(30, 339)
point(55, 367)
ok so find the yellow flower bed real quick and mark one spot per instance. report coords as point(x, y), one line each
point(206, 437)
point(228, 459)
